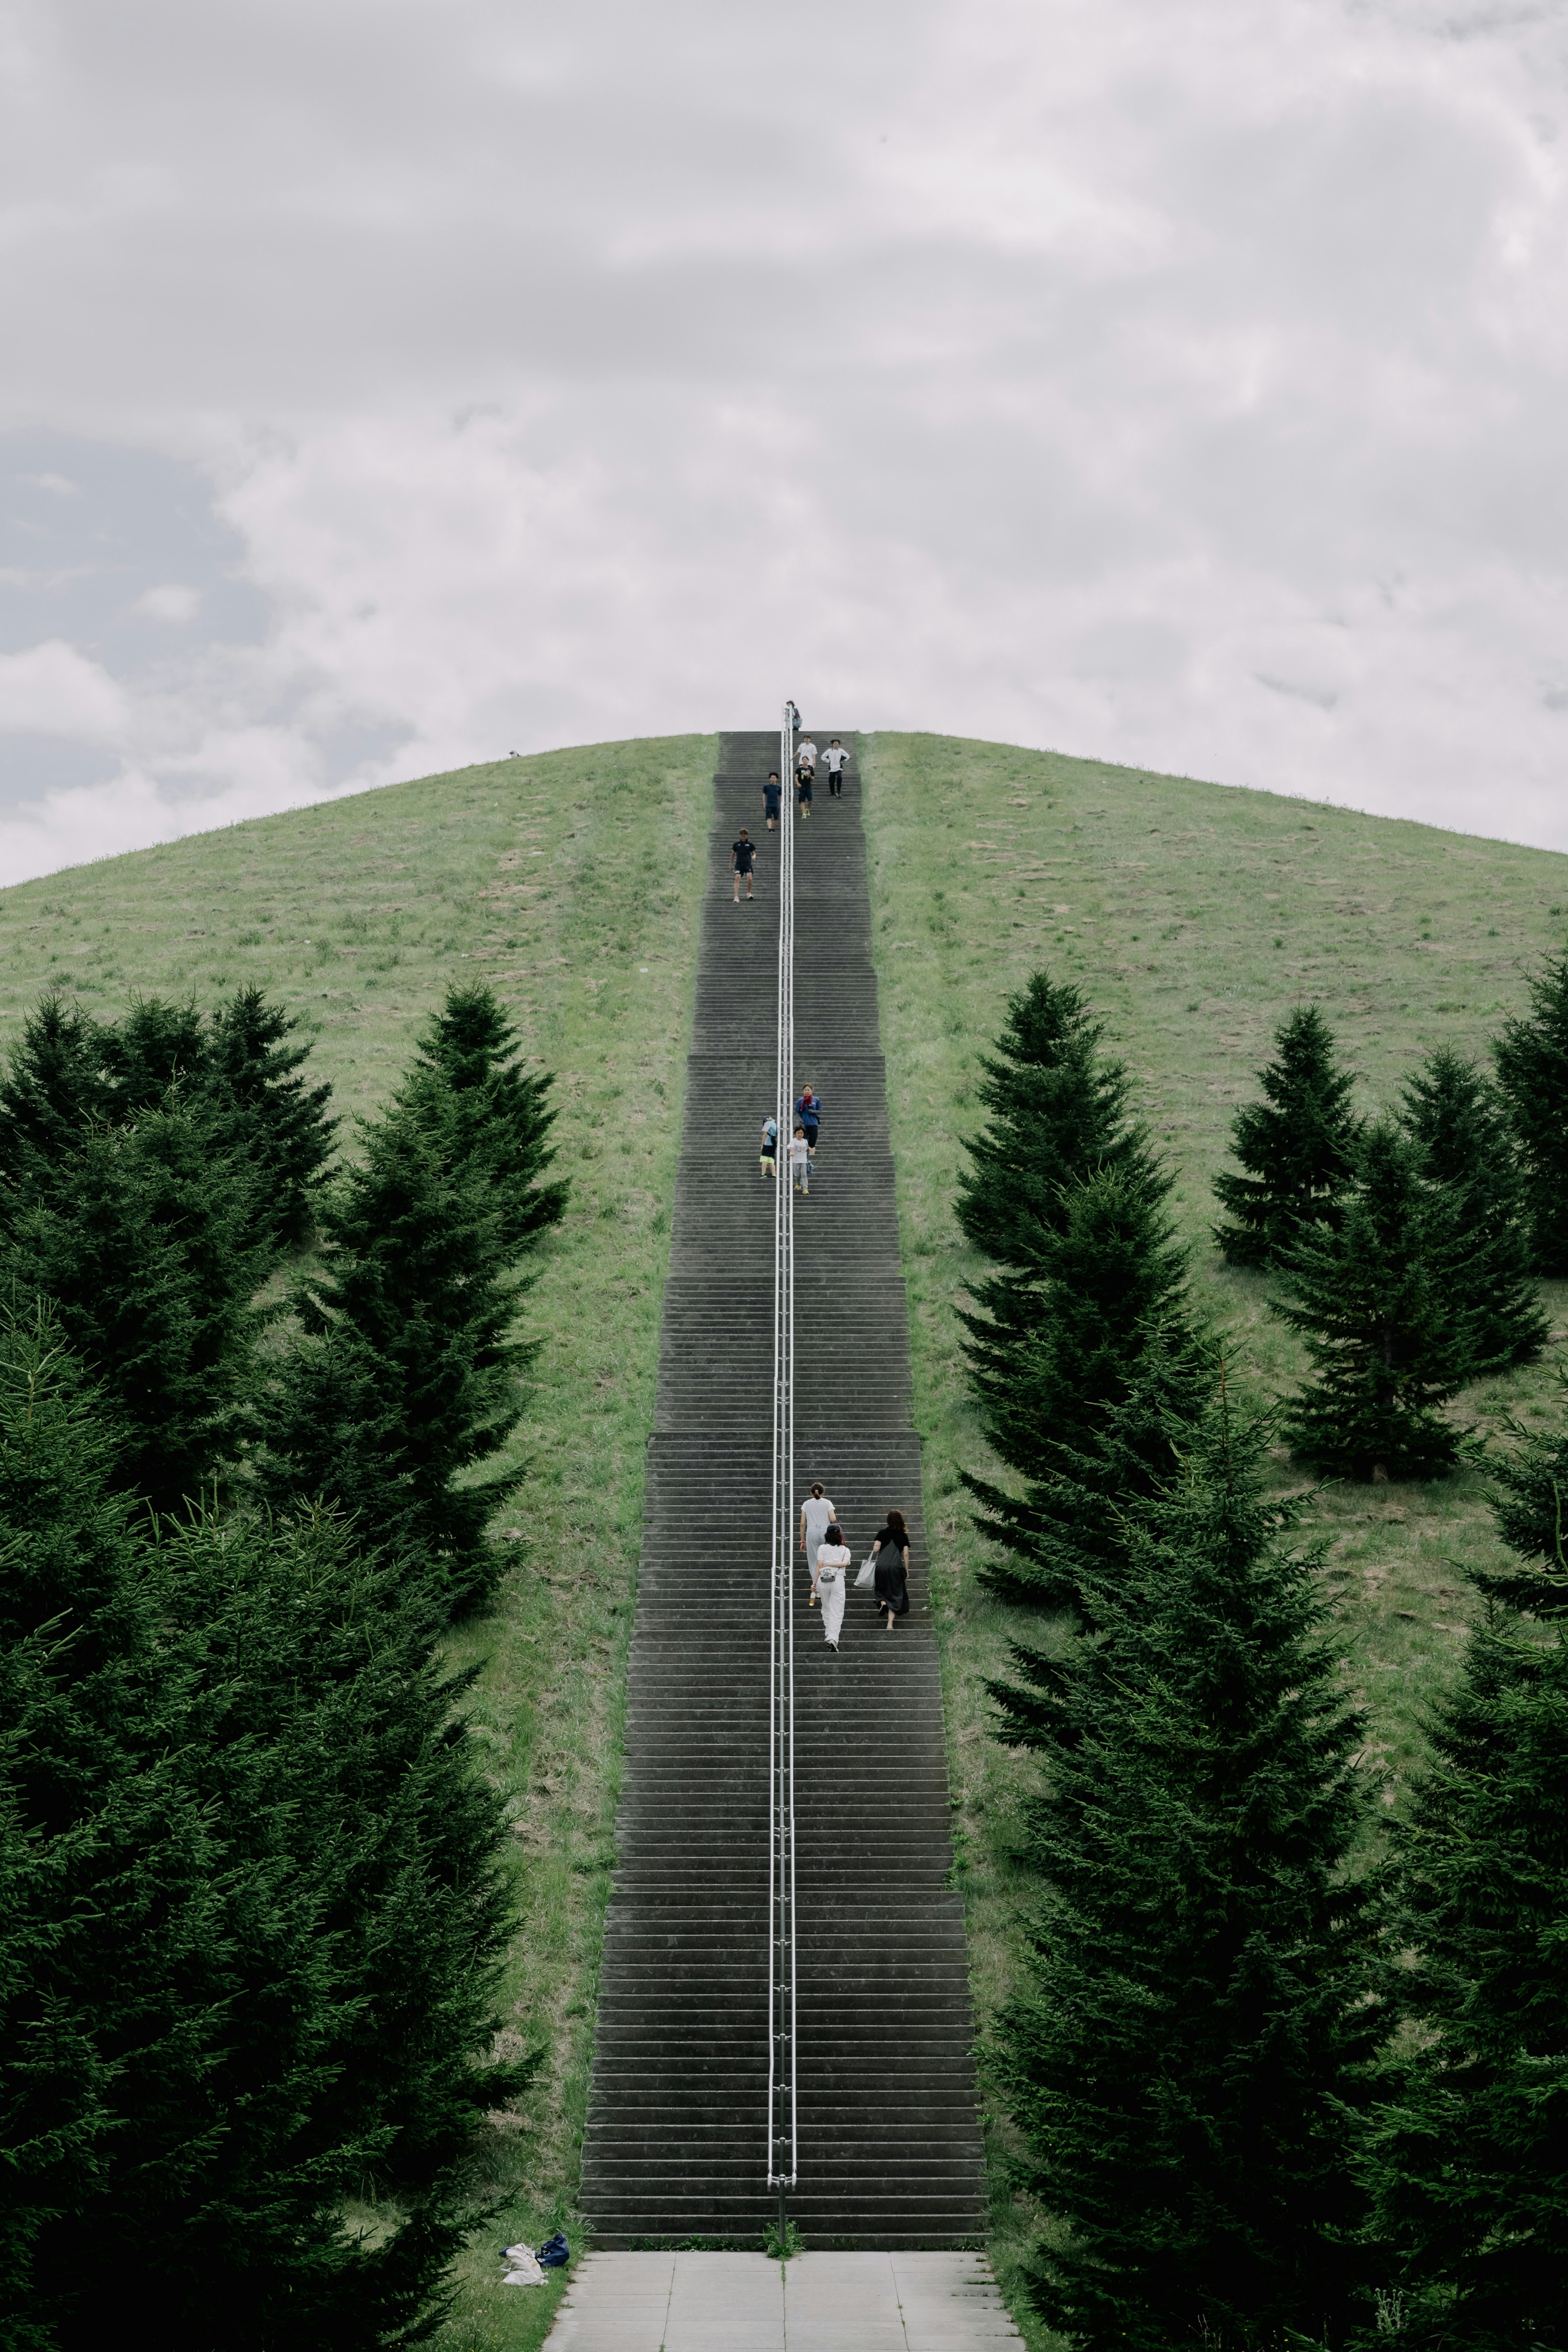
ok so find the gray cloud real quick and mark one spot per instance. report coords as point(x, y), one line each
point(1173, 380)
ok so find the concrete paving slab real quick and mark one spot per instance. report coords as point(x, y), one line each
point(743, 2303)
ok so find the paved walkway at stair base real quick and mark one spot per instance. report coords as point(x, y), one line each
point(818, 2303)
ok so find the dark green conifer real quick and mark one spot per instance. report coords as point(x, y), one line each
point(1459, 1127)
point(495, 1115)
point(248, 1968)
point(154, 1049)
point(144, 1237)
point(1182, 2057)
point(407, 1378)
point(1298, 1146)
point(1104, 1303)
point(54, 1089)
point(1530, 1503)
point(279, 1121)
point(1381, 1302)
point(1531, 1057)
point(1059, 1108)
point(1467, 2158)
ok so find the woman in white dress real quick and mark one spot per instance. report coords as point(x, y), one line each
point(832, 1567)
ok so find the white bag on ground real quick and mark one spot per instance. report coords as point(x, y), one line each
point(522, 2267)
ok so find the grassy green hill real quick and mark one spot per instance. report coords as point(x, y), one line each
point(1193, 917)
point(571, 882)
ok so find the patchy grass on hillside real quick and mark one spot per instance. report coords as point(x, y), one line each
point(571, 882)
point(1194, 917)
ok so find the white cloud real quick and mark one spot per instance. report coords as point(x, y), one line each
point(1180, 382)
point(170, 603)
point(52, 689)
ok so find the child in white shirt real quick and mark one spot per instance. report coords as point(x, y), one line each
point(800, 1162)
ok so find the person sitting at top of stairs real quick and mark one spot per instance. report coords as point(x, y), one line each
point(817, 1515)
point(741, 853)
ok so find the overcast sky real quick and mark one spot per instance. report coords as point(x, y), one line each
point(392, 384)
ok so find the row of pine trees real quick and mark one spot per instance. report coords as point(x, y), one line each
point(253, 1910)
point(1281, 2076)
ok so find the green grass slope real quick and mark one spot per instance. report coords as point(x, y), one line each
point(571, 883)
point(1194, 916)
point(1191, 916)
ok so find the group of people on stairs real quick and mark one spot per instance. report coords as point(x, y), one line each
point(743, 852)
point(886, 1566)
point(803, 1142)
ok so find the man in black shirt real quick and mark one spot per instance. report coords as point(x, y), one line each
point(741, 853)
point(771, 795)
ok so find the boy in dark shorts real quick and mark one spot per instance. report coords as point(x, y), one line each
point(741, 853)
point(804, 783)
point(773, 793)
point(834, 760)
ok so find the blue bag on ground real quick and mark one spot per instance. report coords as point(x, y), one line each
point(554, 2251)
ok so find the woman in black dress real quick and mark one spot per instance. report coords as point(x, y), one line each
point(891, 1553)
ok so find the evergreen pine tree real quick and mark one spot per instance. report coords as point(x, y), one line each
point(1104, 1305)
point(1181, 2056)
point(272, 1113)
point(54, 1089)
point(1380, 1301)
point(1059, 1108)
point(406, 1379)
point(1458, 1125)
point(1531, 1057)
point(1469, 2155)
point(248, 1967)
point(1530, 1503)
point(144, 1237)
point(155, 1049)
point(1298, 1146)
point(495, 1116)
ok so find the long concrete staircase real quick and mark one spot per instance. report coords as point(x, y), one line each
point(888, 2141)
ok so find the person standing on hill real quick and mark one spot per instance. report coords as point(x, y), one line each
point(891, 1553)
point(833, 760)
point(808, 1110)
point(832, 1566)
point(773, 793)
point(741, 853)
point(817, 1515)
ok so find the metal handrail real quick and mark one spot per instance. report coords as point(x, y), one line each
point(781, 2116)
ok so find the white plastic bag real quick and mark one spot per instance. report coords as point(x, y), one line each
point(867, 1571)
point(523, 2267)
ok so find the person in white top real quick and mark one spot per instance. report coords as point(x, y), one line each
point(832, 1567)
point(806, 755)
point(800, 1162)
point(817, 1515)
point(833, 760)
